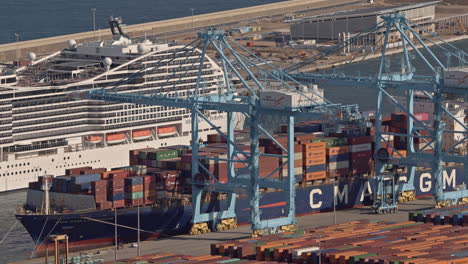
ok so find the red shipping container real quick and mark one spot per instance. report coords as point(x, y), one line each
point(361, 155)
point(421, 116)
point(359, 140)
point(116, 186)
point(93, 171)
point(104, 205)
point(118, 204)
point(100, 197)
point(304, 137)
point(76, 171)
point(338, 173)
point(120, 175)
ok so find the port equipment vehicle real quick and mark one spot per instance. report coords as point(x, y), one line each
point(385, 199)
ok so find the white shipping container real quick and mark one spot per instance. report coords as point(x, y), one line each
point(456, 78)
point(298, 252)
point(338, 165)
point(361, 147)
point(283, 99)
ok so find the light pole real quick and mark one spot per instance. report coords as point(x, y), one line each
point(94, 21)
point(17, 49)
point(192, 9)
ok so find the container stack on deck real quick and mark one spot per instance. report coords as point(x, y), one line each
point(453, 215)
point(356, 242)
point(318, 158)
point(134, 191)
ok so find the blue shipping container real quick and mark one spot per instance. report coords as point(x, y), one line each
point(85, 178)
point(134, 181)
point(316, 168)
point(118, 196)
point(337, 158)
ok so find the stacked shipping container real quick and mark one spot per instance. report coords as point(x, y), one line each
point(356, 242)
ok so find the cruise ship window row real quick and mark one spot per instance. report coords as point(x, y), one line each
point(143, 117)
point(6, 141)
point(145, 122)
point(65, 105)
point(166, 68)
point(180, 81)
point(5, 109)
point(20, 172)
point(5, 128)
point(174, 57)
point(67, 112)
point(195, 61)
point(128, 74)
point(62, 124)
point(178, 75)
point(9, 134)
point(158, 83)
point(40, 101)
point(62, 118)
point(35, 146)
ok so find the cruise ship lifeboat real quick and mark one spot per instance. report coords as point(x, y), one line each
point(115, 138)
point(94, 139)
point(167, 131)
point(141, 134)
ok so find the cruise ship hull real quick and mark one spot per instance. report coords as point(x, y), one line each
point(18, 172)
point(96, 228)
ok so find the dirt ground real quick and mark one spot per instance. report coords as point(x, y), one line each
point(444, 2)
point(443, 9)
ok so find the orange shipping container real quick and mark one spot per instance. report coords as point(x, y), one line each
point(316, 175)
point(337, 150)
point(314, 146)
point(314, 161)
point(106, 174)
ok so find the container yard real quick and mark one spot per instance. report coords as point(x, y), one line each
point(351, 241)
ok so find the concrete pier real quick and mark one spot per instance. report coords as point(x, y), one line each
point(48, 45)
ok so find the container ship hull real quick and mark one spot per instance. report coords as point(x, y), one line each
point(96, 228)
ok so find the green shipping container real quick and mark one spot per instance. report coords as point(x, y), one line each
point(162, 154)
point(134, 195)
point(332, 142)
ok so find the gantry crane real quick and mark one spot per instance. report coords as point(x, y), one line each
point(388, 85)
point(240, 65)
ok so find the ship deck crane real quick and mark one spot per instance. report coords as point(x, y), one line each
point(389, 85)
point(240, 65)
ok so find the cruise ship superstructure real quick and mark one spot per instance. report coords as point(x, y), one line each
point(45, 131)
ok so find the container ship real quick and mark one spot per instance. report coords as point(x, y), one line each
point(86, 202)
point(44, 131)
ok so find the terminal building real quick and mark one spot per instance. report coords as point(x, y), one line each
point(330, 27)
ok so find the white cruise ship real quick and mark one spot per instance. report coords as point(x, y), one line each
point(44, 131)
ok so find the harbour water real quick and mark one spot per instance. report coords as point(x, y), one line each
point(39, 19)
